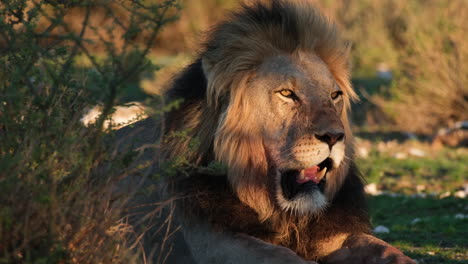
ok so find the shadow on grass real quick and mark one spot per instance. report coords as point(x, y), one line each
point(430, 230)
point(428, 259)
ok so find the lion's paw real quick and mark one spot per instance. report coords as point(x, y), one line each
point(366, 249)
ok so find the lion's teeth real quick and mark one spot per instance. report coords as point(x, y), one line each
point(321, 173)
point(301, 175)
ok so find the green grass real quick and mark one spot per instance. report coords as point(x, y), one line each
point(437, 238)
point(439, 171)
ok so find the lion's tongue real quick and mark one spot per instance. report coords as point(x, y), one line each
point(313, 174)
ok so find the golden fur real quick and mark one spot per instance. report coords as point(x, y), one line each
point(232, 105)
point(228, 71)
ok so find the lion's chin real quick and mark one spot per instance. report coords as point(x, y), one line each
point(299, 194)
point(307, 203)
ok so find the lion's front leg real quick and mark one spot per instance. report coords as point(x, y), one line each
point(367, 249)
point(208, 246)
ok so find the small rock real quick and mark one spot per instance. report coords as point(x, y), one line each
point(444, 195)
point(384, 72)
point(372, 189)
point(416, 152)
point(461, 216)
point(400, 155)
point(416, 220)
point(381, 229)
point(363, 152)
point(460, 194)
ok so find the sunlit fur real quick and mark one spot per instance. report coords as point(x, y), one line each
point(225, 116)
point(223, 120)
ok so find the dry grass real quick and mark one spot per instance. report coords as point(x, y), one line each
point(422, 43)
point(57, 206)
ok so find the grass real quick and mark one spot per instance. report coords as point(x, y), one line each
point(54, 207)
point(414, 186)
point(439, 237)
point(445, 171)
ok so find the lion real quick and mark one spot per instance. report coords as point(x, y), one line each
point(268, 98)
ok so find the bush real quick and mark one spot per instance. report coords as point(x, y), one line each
point(55, 196)
point(431, 87)
point(423, 43)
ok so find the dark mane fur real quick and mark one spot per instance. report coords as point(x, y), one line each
point(210, 197)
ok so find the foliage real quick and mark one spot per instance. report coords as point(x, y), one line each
point(60, 57)
point(421, 43)
point(56, 204)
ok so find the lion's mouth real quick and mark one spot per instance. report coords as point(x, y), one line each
point(295, 182)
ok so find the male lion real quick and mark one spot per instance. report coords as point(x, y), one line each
point(268, 98)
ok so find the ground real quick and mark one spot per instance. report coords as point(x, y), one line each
point(417, 195)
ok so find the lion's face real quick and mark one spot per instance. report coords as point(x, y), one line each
point(284, 133)
point(298, 108)
point(277, 91)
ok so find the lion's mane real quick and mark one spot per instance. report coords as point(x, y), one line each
point(215, 112)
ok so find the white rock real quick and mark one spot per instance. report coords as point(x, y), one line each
point(381, 229)
point(400, 155)
point(416, 220)
point(372, 189)
point(444, 195)
point(384, 72)
point(461, 216)
point(363, 152)
point(416, 152)
point(460, 194)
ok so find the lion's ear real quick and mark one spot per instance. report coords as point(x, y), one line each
point(214, 79)
point(207, 68)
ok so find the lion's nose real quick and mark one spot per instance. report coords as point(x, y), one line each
point(330, 137)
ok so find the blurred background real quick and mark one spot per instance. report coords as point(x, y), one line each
point(104, 64)
point(409, 64)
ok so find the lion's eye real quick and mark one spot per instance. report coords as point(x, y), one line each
point(287, 93)
point(335, 95)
